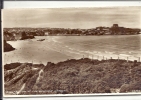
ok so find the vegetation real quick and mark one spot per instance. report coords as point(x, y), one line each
point(29, 33)
point(74, 77)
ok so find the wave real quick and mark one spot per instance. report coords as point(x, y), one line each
point(124, 55)
point(93, 53)
point(66, 50)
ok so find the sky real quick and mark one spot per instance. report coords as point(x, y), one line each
point(83, 18)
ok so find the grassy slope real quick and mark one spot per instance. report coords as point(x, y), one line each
point(80, 76)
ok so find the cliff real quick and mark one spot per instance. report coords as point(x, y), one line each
point(7, 47)
point(11, 34)
point(72, 77)
point(26, 36)
point(29, 33)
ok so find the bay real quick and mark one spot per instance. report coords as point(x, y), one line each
point(60, 48)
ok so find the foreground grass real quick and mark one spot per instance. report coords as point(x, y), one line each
point(73, 77)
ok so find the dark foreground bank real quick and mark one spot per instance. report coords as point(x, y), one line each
point(73, 77)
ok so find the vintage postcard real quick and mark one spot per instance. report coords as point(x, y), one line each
point(71, 51)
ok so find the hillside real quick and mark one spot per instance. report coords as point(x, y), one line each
point(73, 77)
point(29, 33)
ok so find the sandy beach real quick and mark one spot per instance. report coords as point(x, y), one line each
point(60, 48)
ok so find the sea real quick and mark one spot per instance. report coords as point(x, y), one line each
point(60, 48)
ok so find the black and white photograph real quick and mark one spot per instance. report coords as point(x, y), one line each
point(66, 51)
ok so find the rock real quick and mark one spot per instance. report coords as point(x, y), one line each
point(7, 47)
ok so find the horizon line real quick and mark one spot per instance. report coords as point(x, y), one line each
point(72, 28)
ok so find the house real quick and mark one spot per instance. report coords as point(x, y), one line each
point(46, 33)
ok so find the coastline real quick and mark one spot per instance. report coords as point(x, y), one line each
point(65, 70)
point(87, 51)
point(27, 33)
point(58, 48)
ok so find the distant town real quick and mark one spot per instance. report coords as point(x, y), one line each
point(29, 33)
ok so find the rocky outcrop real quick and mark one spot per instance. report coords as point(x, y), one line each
point(26, 36)
point(11, 34)
point(7, 47)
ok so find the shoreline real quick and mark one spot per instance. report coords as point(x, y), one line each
point(91, 57)
point(52, 50)
point(77, 35)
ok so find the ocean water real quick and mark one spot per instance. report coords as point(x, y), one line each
point(60, 48)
